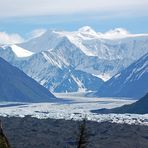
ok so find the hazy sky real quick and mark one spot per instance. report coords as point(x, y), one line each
point(56, 7)
point(24, 16)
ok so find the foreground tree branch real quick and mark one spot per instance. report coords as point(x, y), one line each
point(3, 139)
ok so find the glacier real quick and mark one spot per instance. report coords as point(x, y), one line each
point(74, 107)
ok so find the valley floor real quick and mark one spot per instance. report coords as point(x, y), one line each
point(73, 106)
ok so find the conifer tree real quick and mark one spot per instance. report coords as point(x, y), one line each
point(83, 135)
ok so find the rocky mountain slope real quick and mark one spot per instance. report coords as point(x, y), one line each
point(131, 82)
point(17, 86)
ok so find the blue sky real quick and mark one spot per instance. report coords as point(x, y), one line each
point(22, 17)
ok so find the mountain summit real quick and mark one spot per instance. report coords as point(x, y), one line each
point(87, 30)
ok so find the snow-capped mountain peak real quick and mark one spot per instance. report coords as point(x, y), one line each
point(119, 33)
point(87, 30)
point(116, 33)
point(96, 53)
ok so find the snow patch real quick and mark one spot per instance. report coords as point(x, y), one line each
point(80, 84)
point(20, 52)
point(104, 77)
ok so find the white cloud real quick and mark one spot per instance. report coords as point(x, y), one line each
point(46, 7)
point(10, 38)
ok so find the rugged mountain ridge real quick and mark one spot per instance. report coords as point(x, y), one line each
point(57, 55)
point(131, 82)
point(51, 70)
point(115, 49)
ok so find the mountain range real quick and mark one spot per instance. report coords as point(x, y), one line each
point(76, 61)
point(88, 50)
point(51, 70)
